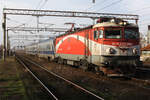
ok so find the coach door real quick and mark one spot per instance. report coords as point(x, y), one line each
point(86, 54)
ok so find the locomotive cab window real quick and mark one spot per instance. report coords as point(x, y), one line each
point(101, 34)
point(131, 33)
point(96, 34)
point(113, 33)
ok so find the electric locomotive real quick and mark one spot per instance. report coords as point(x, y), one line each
point(111, 45)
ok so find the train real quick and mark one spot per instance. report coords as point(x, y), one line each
point(112, 45)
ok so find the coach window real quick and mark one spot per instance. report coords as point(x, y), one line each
point(101, 34)
point(48, 47)
point(95, 34)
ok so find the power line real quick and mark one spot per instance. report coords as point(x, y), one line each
point(101, 2)
point(145, 19)
point(4, 3)
point(140, 9)
point(142, 24)
point(43, 4)
point(12, 20)
point(39, 4)
point(137, 10)
point(116, 2)
point(37, 7)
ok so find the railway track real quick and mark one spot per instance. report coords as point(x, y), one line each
point(141, 78)
point(58, 87)
point(142, 75)
point(143, 69)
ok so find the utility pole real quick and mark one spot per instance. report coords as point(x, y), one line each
point(7, 53)
point(37, 24)
point(38, 36)
point(93, 1)
point(94, 20)
point(4, 36)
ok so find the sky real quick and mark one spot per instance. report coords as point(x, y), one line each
point(139, 7)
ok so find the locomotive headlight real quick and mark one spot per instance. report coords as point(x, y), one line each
point(135, 51)
point(110, 51)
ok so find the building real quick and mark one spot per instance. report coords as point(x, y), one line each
point(145, 53)
point(146, 50)
point(143, 41)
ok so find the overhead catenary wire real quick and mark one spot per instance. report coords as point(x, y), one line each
point(35, 8)
point(20, 24)
point(4, 3)
point(39, 4)
point(43, 4)
point(134, 11)
point(147, 23)
point(145, 19)
point(101, 2)
point(112, 4)
point(28, 20)
point(144, 8)
point(12, 20)
point(118, 1)
point(95, 4)
point(38, 7)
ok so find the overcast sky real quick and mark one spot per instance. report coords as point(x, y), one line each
point(140, 7)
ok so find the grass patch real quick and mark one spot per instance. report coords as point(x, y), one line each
point(12, 86)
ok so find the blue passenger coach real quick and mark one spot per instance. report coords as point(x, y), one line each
point(44, 49)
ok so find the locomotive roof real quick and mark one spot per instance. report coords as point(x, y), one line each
point(108, 24)
point(76, 30)
point(51, 38)
point(104, 24)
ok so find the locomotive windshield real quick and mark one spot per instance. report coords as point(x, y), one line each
point(131, 33)
point(113, 33)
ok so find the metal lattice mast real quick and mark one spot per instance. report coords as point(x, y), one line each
point(92, 15)
point(37, 29)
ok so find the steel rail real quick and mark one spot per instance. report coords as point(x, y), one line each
point(85, 90)
point(145, 69)
point(37, 78)
point(140, 80)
